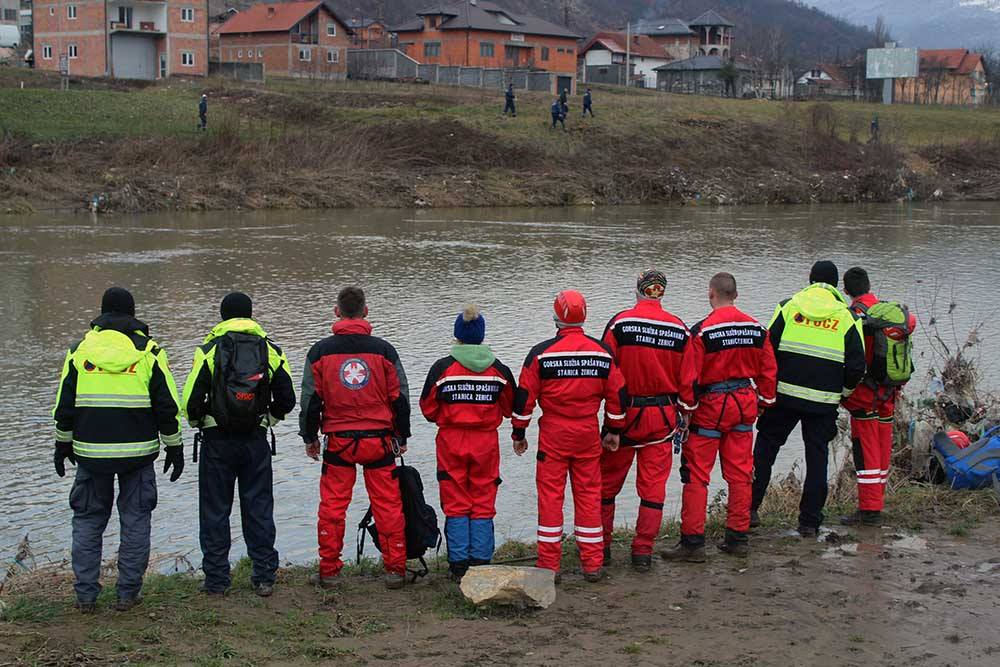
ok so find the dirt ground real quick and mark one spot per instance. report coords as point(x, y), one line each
point(864, 597)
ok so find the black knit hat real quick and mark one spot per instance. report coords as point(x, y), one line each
point(236, 304)
point(824, 271)
point(118, 300)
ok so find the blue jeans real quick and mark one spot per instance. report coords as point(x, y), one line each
point(91, 499)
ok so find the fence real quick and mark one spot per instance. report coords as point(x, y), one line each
point(393, 64)
point(238, 71)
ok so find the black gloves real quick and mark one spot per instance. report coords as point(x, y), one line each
point(175, 459)
point(64, 450)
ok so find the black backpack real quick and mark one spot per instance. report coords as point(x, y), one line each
point(422, 531)
point(241, 393)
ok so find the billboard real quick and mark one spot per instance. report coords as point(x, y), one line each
point(893, 63)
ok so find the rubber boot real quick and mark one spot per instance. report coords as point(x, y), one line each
point(754, 519)
point(691, 549)
point(593, 577)
point(607, 554)
point(394, 581)
point(735, 543)
point(642, 562)
point(862, 518)
point(323, 582)
point(807, 531)
point(457, 570)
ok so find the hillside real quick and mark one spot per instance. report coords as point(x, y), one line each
point(927, 23)
point(806, 33)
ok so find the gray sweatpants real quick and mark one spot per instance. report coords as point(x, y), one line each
point(91, 499)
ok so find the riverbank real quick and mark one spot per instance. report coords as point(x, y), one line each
point(919, 590)
point(300, 144)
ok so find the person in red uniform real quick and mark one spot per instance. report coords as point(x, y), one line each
point(355, 391)
point(648, 344)
point(468, 394)
point(872, 409)
point(568, 377)
point(729, 374)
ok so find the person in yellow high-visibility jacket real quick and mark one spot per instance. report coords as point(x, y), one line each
point(819, 346)
point(116, 403)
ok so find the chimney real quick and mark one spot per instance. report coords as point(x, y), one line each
point(270, 12)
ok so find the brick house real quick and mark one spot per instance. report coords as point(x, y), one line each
point(605, 53)
point(304, 39)
point(947, 76)
point(369, 33)
point(127, 39)
point(483, 34)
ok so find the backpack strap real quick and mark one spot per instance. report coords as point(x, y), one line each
point(362, 529)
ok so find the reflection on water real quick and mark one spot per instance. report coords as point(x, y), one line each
point(419, 268)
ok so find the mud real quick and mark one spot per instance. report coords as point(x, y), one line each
point(865, 597)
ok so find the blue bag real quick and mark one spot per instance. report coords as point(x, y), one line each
point(975, 467)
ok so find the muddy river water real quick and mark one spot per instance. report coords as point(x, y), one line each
point(419, 268)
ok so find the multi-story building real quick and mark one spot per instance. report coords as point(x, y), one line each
point(127, 39)
point(305, 39)
point(473, 33)
point(708, 35)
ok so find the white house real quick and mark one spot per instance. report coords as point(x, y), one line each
point(605, 53)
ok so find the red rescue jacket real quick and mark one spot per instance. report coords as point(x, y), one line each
point(569, 376)
point(648, 344)
point(457, 397)
point(728, 349)
point(353, 381)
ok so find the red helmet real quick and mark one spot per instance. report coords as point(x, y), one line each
point(570, 307)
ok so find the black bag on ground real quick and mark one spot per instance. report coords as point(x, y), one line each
point(421, 528)
point(240, 382)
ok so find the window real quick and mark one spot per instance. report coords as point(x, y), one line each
point(486, 49)
point(46, 52)
point(260, 53)
point(187, 14)
point(561, 50)
point(52, 11)
point(305, 55)
point(249, 54)
point(72, 51)
point(187, 58)
point(333, 56)
point(545, 53)
point(569, 51)
point(71, 12)
point(517, 37)
point(10, 15)
point(331, 29)
point(511, 52)
point(239, 53)
point(432, 48)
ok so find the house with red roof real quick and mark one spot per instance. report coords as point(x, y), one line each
point(947, 76)
point(824, 80)
point(302, 39)
point(604, 57)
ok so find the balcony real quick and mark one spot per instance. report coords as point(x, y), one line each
point(305, 38)
point(142, 17)
point(143, 28)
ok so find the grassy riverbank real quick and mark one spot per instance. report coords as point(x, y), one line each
point(851, 598)
point(296, 144)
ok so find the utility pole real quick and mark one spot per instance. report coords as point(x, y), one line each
point(628, 53)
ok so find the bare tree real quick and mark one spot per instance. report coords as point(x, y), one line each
point(881, 33)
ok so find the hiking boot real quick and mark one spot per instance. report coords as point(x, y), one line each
point(862, 518)
point(642, 562)
point(593, 577)
point(394, 581)
point(457, 570)
point(754, 519)
point(735, 544)
point(263, 589)
point(207, 591)
point(607, 554)
point(126, 604)
point(807, 531)
point(684, 552)
point(86, 607)
point(323, 582)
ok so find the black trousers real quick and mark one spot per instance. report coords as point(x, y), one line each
point(225, 460)
point(818, 430)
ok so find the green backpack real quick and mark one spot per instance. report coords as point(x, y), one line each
point(888, 323)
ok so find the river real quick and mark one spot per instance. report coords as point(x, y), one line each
point(419, 267)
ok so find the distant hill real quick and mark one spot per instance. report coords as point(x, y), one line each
point(807, 34)
point(966, 24)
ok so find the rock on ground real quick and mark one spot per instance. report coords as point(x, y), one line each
point(506, 585)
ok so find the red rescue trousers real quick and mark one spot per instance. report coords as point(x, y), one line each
point(337, 483)
point(735, 450)
point(652, 469)
point(584, 469)
point(871, 437)
point(468, 463)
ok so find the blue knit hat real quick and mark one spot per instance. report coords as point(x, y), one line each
point(470, 326)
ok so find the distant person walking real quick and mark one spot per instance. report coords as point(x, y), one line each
point(588, 102)
point(203, 113)
point(116, 404)
point(509, 98)
point(874, 133)
point(558, 116)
